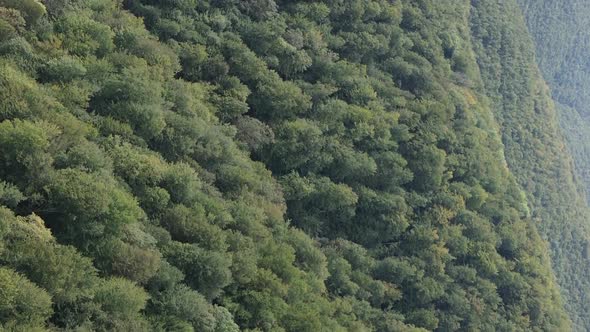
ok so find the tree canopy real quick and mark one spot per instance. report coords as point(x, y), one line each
point(270, 165)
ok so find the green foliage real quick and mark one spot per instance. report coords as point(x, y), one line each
point(263, 166)
point(536, 153)
point(64, 70)
point(10, 196)
point(88, 207)
point(24, 148)
point(7, 31)
point(108, 296)
point(134, 100)
point(13, 21)
point(21, 301)
point(207, 271)
point(31, 10)
point(83, 36)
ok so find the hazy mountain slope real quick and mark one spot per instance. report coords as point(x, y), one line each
point(560, 32)
point(260, 166)
point(534, 146)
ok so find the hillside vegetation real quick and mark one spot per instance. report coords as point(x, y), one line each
point(263, 165)
point(560, 33)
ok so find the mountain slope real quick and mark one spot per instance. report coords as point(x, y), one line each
point(534, 147)
point(560, 33)
point(261, 166)
point(410, 72)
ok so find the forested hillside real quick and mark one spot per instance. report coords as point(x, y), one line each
point(560, 31)
point(260, 165)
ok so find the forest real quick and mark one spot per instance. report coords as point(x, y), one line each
point(285, 166)
point(559, 32)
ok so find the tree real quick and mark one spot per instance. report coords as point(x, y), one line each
point(207, 271)
point(85, 207)
point(22, 303)
point(32, 10)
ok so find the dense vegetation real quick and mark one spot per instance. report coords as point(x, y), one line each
point(267, 165)
point(560, 31)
